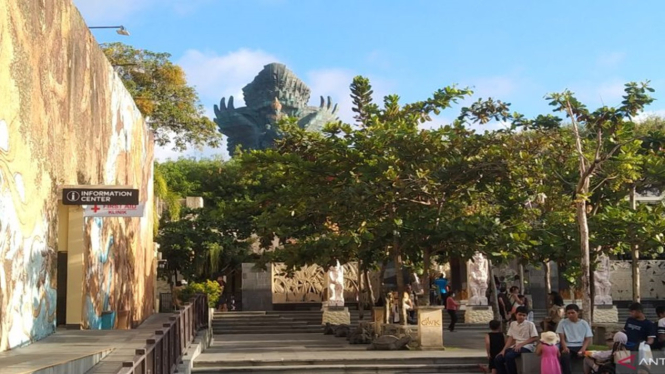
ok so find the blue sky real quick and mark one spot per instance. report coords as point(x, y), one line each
point(516, 51)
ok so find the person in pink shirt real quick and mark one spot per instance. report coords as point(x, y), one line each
point(451, 307)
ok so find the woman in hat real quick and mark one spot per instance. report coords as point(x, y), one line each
point(549, 352)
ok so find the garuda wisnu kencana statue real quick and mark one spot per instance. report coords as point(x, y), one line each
point(274, 94)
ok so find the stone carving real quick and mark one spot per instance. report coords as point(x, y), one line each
point(389, 343)
point(336, 285)
point(652, 280)
point(362, 334)
point(308, 284)
point(328, 329)
point(602, 284)
point(275, 93)
point(478, 276)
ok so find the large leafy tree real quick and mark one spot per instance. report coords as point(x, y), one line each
point(160, 90)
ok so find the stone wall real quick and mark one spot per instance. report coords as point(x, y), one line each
point(256, 288)
point(66, 119)
point(652, 277)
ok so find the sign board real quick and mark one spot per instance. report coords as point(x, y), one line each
point(99, 196)
point(114, 210)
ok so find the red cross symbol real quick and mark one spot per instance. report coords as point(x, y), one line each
point(95, 209)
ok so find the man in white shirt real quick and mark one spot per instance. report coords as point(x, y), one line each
point(575, 334)
point(521, 336)
point(659, 342)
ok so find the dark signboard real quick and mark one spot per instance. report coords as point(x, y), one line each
point(99, 196)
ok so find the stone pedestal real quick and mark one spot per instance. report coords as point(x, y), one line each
point(379, 319)
point(479, 314)
point(605, 314)
point(430, 327)
point(336, 316)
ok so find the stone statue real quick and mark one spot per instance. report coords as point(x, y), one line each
point(601, 281)
point(336, 285)
point(274, 94)
point(478, 276)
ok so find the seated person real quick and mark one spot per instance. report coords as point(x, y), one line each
point(522, 335)
point(595, 359)
point(638, 328)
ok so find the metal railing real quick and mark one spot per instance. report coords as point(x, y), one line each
point(164, 350)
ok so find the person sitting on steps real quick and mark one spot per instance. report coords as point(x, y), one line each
point(521, 336)
point(576, 335)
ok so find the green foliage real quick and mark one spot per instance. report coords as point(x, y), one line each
point(209, 287)
point(161, 93)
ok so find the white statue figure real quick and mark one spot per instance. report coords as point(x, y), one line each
point(478, 276)
point(602, 284)
point(336, 285)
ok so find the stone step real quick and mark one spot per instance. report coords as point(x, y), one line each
point(345, 368)
point(366, 358)
point(216, 323)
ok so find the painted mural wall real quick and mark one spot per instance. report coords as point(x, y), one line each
point(66, 119)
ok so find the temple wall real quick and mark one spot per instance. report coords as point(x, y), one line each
point(66, 119)
point(652, 276)
point(308, 284)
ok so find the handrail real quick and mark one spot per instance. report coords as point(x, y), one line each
point(163, 351)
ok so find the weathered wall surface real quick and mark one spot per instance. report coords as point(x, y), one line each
point(66, 119)
point(652, 280)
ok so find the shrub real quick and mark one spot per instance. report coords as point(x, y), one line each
point(210, 288)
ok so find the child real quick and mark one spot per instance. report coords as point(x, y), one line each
point(494, 343)
point(451, 307)
point(549, 352)
point(593, 360)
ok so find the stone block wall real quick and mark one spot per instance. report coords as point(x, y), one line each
point(66, 119)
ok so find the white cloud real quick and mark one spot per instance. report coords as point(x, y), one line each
point(222, 76)
point(597, 94)
point(334, 83)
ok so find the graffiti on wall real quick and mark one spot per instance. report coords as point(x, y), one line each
point(74, 125)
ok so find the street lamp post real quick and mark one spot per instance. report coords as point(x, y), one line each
point(121, 29)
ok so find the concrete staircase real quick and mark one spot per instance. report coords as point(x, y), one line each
point(307, 321)
point(355, 365)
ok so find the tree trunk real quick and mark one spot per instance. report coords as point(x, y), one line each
point(585, 263)
point(382, 273)
point(635, 254)
point(425, 280)
point(361, 292)
point(370, 289)
point(548, 276)
point(399, 274)
point(494, 295)
point(521, 278)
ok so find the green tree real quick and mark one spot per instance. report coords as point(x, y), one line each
point(604, 138)
point(161, 93)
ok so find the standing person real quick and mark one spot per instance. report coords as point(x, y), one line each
point(659, 342)
point(441, 284)
point(521, 336)
point(494, 343)
point(504, 303)
point(554, 314)
point(638, 328)
point(549, 353)
point(576, 335)
point(451, 306)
